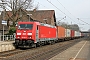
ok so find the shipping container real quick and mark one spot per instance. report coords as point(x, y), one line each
point(67, 33)
point(77, 34)
point(47, 32)
point(72, 33)
point(60, 32)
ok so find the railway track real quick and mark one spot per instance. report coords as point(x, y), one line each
point(10, 53)
point(39, 53)
point(48, 54)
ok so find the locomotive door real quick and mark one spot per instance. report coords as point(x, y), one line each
point(37, 34)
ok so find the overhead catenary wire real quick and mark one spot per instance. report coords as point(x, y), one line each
point(63, 6)
point(72, 14)
point(63, 12)
point(66, 9)
point(56, 7)
point(43, 6)
point(83, 21)
point(67, 15)
point(60, 10)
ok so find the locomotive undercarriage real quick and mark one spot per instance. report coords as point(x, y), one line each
point(24, 43)
point(30, 43)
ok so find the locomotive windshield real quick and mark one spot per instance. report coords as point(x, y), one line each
point(25, 26)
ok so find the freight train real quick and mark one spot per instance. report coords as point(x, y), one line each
point(31, 34)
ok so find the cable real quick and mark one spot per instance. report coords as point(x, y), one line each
point(56, 7)
point(63, 6)
point(83, 21)
point(60, 10)
point(73, 15)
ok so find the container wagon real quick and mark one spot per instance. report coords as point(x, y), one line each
point(60, 33)
point(67, 34)
point(72, 34)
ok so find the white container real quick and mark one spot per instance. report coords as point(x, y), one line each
point(67, 33)
point(77, 33)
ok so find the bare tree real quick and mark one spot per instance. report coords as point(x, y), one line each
point(15, 6)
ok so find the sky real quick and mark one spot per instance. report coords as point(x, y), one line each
point(76, 11)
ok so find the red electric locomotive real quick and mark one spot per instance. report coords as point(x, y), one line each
point(30, 34)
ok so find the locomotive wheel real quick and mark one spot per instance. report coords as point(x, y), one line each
point(52, 42)
point(34, 45)
point(39, 44)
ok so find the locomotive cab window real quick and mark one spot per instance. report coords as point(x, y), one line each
point(25, 26)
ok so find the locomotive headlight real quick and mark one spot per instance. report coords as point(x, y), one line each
point(18, 37)
point(18, 33)
point(29, 37)
point(29, 33)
